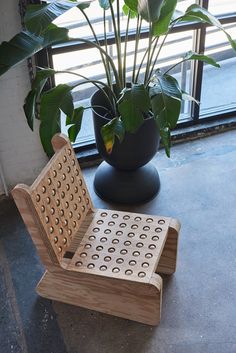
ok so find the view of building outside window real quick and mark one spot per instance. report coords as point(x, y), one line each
point(217, 94)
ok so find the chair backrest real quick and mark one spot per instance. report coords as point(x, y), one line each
point(58, 200)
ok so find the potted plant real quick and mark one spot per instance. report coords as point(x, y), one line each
point(130, 116)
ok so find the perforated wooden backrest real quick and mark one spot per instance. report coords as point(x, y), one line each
point(60, 198)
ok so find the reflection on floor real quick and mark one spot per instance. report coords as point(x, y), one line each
point(198, 187)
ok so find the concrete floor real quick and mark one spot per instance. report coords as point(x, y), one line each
point(199, 306)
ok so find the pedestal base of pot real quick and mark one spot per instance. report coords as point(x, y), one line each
point(127, 187)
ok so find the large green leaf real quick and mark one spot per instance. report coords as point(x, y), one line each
point(76, 122)
point(51, 102)
point(190, 55)
point(165, 100)
point(37, 86)
point(167, 10)
point(197, 13)
point(133, 103)
point(26, 44)
point(39, 16)
point(127, 10)
point(110, 131)
point(132, 5)
point(150, 9)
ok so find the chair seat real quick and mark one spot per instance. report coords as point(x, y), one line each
point(122, 245)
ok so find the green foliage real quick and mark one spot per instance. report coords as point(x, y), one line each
point(149, 10)
point(161, 26)
point(114, 128)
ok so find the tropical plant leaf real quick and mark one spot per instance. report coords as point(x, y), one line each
point(188, 97)
point(166, 140)
point(190, 55)
point(52, 101)
point(161, 26)
point(127, 10)
point(133, 103)
point(39, 16)
point(132, 5)
point(26, 44)
point(165, 100)
point(105, 4)
point(150, 9)
point(196, 13)
point(37, 86)
point(76, 122)
point(110, 131)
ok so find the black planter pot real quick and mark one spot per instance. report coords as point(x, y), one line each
point(125, 176)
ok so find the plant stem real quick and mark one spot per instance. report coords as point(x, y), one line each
point(147, 71)
point(142, 61)
point(172, 67)
point(125, 49)
point(137, 38)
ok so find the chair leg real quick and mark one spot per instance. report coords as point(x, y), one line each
point(168, 259)
point(131, 300)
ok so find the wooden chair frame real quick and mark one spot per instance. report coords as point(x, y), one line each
point(103, 260)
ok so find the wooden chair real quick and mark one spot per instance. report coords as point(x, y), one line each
point(99, 259)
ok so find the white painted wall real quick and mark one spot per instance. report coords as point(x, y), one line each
point(21, 154)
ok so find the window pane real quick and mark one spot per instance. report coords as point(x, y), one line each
point(221, 7)
point(218, 89)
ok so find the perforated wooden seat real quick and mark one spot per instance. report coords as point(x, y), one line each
point(100, 259)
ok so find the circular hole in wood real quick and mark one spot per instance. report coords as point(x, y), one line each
point(65, 222)
point(55, 240)
point(76, 189)
point(68, 169)
point(74, 224)
point(132, 262)
point(123, 225)
point(37, 197)
point(103, 239)
point(155, 238)
point(123, 251)
point(67, 204)
point(107, 231)
point(127, 243)
point(64, 159)
point(107, 258)
point(158, 230)
point(100, 221)
point(146, 228)
point(42, 208)
point(52, 210)
point(115, 270)
point(47, 219)
point(62, 212)
point(83, 254)
point(103, 268)
point(83, 208)
point(128, 272)
point(73, 162)
point(95, 230)
point(69, 231)
point(79, 216)
point(58, 184)
point(111, 223)
point(63, 176)
point(57, 221)
point(119, 232)
point(120, 260)
point(72, 179)
point(54, 173)
point(75, 206)
point(137, 218)
point(49, 181)
point(115, 241)
point(152, 246)
point(161, 221)
point(131, 234)
point(78, 263)
point(99, 248)
point(62, 194)
point(111, 250)
point(91, 265)
point(143, 236)
point(83, 191)
point(149, 220)
point(76, 172)
point(87, 201)
point(53, 192)
point(148, 256)
point(59, 166)
point(70, 214)
point(145, 264)
point(139, 245)
point(80, 182)
point(69, 151)
point(115, 215)
point(134, 226)
point(126, 217)
point(79, 199)
point(58, 202)
point(48, 200)
point(71, 197)
point(95, 257)
point(64, 240)
point(60, 230)
point(43, 189)
point(87, 246)
point(136, 253)
point(92, 237)
point(67, 187)
point(103, 214)
point(59, 248)
point(141, 274)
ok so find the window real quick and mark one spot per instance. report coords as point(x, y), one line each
point(211, 86)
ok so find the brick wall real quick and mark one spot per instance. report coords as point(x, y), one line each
point(21, 154)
